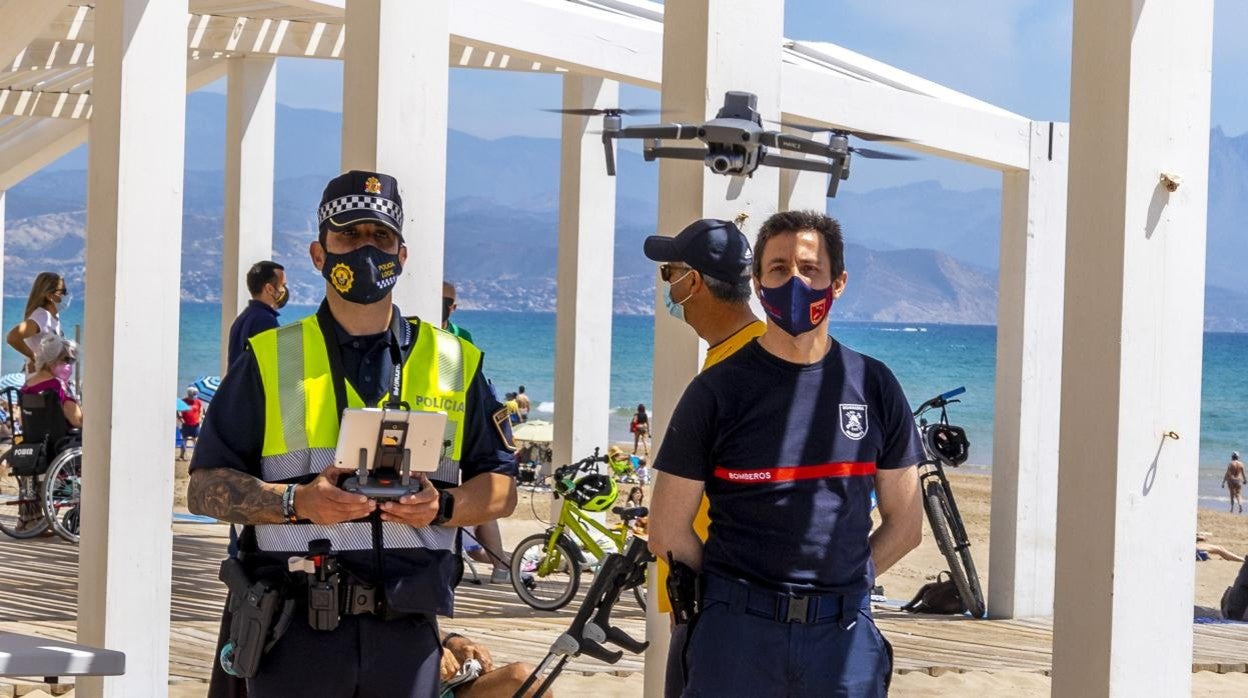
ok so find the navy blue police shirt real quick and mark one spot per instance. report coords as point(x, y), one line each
point(232, 435)
point(788, 453)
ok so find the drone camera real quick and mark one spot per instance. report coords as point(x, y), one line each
point(725, 162)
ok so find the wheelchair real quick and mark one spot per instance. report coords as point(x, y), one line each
point(41, 475)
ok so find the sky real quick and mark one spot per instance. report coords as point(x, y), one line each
point(1012, 53)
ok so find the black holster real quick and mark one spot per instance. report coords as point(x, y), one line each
point(260, 615)
point(682, 590)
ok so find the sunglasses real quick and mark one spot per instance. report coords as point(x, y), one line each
point(667, 271)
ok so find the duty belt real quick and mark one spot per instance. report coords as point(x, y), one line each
point(742, 597)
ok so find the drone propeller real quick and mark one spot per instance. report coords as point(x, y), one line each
point(880, 154)
point(591, 111)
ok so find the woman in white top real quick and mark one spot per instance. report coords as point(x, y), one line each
point(48, 296)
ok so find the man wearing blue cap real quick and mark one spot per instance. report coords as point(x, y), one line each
point(707, 267)
point(787, 438)
point(265, 460)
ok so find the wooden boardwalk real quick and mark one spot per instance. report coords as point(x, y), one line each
point(39, 582)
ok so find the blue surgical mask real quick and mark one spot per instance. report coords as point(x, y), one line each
point(795, 307)
point(676, 310)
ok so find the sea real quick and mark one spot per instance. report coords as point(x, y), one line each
point(927, 359)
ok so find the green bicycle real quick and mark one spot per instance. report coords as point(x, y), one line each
point(546, 567)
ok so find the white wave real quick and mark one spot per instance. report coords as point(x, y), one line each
point(547, 407)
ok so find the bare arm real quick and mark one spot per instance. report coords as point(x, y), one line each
point(484, 498)
point(673, 506)
point(234, 496)
point(901, 516)
point(73, 413)
point(18, 335)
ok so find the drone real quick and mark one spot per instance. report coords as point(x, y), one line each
point(736, 142)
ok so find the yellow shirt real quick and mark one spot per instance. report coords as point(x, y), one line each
point(702, 521)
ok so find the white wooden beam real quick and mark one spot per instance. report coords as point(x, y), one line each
point(980, 137)
point(23, 21)
point(54, 105)
point(134, 241)
point(26, 152)
point(250, 132)
point(709, 48)
point(1132, 343)
point(394, 119)
point(1029, 364)
point(584, 283)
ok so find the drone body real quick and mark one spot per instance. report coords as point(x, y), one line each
point(736, 143)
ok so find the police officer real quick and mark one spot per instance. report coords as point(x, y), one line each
point(265, 460)
point(787, 437)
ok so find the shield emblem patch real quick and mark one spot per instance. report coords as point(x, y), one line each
point(854, 421)
point(818, 310)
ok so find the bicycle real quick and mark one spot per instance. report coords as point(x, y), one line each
point(38, 490)
point(945, 444)
point(546, 567)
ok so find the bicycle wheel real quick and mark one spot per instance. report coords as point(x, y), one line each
point(62, 494)
point(639, 593)
point(545, 575)
point(21, 510)
point(964, 577)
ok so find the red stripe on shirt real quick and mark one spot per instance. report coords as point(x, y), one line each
point(801, 472)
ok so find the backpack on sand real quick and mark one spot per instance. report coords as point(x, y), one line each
point(1235, 599)
point(940, 596)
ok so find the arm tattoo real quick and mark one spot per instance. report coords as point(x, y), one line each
point(234, 496)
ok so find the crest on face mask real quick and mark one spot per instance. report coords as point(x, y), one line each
point(854, 421)
point(818, 311)
point(342, 277)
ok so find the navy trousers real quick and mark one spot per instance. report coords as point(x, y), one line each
point(734, 650)
point(365, 657)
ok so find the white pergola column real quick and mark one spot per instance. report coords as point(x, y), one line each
point(134, 238)
point(585, 277)
point(1029, 364)
point(394, 102)
point(709, 48)
point(250, 113)
point(1135, 274)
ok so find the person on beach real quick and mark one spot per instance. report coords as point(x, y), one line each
point(265, 460)
point(522, 401)
point(54, 359)
point(190, 419)
point(266, 282)
point(48, 297)
point(640, 426)
point(1204, 546)
point(1233, 481)
point(707, 266)
point(787, 438)
point(448, 307)
point(490, 682)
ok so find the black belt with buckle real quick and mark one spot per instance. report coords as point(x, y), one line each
point(742, 597)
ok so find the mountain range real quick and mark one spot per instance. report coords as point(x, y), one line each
point(917, 253)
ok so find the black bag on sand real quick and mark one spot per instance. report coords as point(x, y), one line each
point(940, 596)
point(1235, 599)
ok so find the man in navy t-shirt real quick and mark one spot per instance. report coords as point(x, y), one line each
point(787, 438)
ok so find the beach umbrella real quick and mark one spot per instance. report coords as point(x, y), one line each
point(180, 406)
point(12, 380)
point(533, 430)
point(207, 387)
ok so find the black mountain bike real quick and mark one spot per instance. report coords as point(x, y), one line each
point(945, 444)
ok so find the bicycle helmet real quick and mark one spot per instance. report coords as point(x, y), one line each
point(948, 443)
point(594, 493)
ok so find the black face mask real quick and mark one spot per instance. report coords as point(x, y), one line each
point(282, 298)
point(364, 275)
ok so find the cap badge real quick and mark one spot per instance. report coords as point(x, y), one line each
point(372, 185)
point(342, 277)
